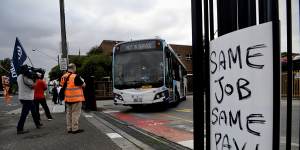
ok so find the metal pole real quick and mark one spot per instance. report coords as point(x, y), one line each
point(227, 16)
point(265, 11)
point(290, 75)
point(63, 30)
point(197, 62)
point(211, 19)
point(30, 61)
point(207, 75)
point(53, 58)
point(276, 73)
point(247, 13)
point(58, 60)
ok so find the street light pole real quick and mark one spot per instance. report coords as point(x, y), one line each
point(52, 58)
point(44, 54)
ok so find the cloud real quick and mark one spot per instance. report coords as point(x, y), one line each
point(37, 24)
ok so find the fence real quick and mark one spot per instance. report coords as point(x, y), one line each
point(103, 90)
point(296, 84)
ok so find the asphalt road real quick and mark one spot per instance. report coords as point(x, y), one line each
point(179, 119)
point(13, 105)
point(295, 123)
point(174, 123)
point(53, 133)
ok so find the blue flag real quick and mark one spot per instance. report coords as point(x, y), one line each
point(19, 57)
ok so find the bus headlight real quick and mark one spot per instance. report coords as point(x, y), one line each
point(159, 95)
point(118, 97)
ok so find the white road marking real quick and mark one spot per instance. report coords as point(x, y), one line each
point(58, 108)
point(184, 110)
point(88, 116)
point(283, 141)
point(16, 111)
point(113, 135)
point(185, 127)
point(110, 111)
point(188, 143)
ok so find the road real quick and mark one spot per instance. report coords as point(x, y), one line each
point(295, 123)
point(15, 104)
point(176, 123)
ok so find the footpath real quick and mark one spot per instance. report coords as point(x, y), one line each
point(53, 136)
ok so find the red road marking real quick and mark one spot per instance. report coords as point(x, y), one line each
point(157, 126)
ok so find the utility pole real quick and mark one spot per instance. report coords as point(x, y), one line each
point(64, 47)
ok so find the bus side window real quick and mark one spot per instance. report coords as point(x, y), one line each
point(176, 70)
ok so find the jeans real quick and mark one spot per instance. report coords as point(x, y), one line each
point(43, 102)
point(28, 105)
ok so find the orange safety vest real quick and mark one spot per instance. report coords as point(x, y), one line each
point(73, 93)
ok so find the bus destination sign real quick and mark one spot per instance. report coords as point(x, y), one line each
point(140, 45)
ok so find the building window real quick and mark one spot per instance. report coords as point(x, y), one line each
point(188, 57)
point(179, 56)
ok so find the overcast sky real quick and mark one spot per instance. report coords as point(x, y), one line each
point(88, 22)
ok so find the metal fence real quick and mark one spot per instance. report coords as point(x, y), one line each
point(103, 90)
point(296, 84)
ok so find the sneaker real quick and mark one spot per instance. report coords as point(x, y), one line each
point(49, 119)
point(78, 131)
point(22, 131)
point(70, 132)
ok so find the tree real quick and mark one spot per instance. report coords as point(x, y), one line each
point(55, 73)
point(95, 50)
point(5, 64)
point(98, 65)
point(94, 64)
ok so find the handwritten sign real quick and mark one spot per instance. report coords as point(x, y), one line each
point(241, 89)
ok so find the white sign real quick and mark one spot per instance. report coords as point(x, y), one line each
point(63, 63)
point(241, 89)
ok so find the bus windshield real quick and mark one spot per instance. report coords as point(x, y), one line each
point(134, 69)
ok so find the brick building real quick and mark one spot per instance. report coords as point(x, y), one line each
point(184, 52)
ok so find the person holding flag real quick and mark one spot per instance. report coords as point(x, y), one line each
point(26, 87)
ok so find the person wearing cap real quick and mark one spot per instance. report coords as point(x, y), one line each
point(39, 97)
point(73, 98)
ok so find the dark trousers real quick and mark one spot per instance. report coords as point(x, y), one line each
point(54, 98)
point(43, 102)
point(28, 105)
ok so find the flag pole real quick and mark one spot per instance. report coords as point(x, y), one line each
point(30, 61)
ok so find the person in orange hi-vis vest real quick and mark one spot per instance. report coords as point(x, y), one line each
point(5, 85)
point(73, 98)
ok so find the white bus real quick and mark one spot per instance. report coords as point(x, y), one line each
point(147, 72)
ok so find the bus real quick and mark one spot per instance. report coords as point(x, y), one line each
point(147, 72)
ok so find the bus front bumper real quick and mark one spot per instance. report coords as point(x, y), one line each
point(131, 102)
